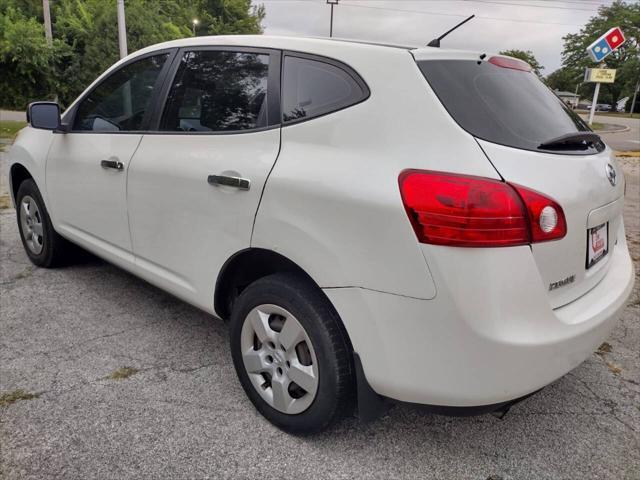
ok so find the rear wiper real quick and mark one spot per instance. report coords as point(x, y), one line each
point(571, 141)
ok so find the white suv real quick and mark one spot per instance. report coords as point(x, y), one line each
point(377, 223)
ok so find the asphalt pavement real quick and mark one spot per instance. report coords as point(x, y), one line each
point(622, 141)
point(103, 376)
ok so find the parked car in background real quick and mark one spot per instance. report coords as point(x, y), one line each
point(377, 223)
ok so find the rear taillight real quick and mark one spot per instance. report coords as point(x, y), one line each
point(546, 218)
point(465, 211)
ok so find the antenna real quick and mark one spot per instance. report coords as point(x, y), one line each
point(436, 41)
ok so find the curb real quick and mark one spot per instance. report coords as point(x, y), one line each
point(622, 129)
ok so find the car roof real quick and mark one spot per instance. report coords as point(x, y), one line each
point(305, 44)
point(270, 41)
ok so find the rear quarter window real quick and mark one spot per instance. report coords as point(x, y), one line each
point(502, 105)
point(313, 87)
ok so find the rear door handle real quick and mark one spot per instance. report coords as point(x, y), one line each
point(224, 180)
point(113, 164)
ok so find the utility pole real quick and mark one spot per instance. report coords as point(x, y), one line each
point(635, 94)
point(47, 22)
point(332, 3)
point(122, 30)
point(48, 32)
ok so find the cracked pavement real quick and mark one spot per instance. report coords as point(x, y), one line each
point(183, 414)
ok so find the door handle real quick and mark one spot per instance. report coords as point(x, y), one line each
point(226, 181)
point(113, 164)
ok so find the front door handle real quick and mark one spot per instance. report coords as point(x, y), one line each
point(227, 181)
point(113, 164)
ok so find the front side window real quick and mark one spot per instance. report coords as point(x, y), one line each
point(217, 91)
point(121, 102)
point(312, 88)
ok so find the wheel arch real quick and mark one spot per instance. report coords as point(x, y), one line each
point(18, 173)
point(243, 268)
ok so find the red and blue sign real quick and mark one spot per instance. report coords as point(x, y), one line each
point(606, 44)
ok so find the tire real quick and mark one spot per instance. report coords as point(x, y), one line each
point(307, 336)
point(47, 249)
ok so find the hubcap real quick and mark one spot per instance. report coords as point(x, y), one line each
point(279, 358)
point(31, 224)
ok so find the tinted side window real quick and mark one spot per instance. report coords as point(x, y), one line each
point(218, 91)
point(121, 101)
point(312, 88)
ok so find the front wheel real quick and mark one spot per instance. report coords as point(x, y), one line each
point(291, 354)
point(43, 245)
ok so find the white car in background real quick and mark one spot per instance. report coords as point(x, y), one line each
point(377, 223)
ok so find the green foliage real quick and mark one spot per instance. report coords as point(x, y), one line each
point(527, 56)
point(565, 79)
point(626, 59)
point(28, 64)
point(86, 39)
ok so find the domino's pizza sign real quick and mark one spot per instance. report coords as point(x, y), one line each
point(606, 44)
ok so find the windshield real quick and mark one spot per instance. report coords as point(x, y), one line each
point(503, 105)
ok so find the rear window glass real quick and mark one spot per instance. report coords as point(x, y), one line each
point(502, 105)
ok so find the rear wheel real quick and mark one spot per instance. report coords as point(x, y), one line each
point(44, 247)
point(291, 353)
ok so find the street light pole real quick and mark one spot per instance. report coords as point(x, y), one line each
point(332, 3)
point(47, 22)
point(194, 22)
point(122, 30)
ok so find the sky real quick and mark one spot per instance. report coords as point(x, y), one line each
point(536, 25)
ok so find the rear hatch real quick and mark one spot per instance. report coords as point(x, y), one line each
point(533, 139)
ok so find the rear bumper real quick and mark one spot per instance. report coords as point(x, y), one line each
point(489, 336)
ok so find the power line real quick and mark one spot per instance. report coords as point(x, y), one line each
point(481, 17)
point(594, 3)
point(530, 5)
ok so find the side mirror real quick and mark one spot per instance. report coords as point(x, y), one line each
point(44, 115)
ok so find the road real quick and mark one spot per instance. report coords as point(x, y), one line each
point(182, 413)
point(622, 141)
point(12, 115)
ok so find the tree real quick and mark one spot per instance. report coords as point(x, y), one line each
point(29, 66)
point(564, 79)
point(626, 60)
point(526, 56)
point(86, 39)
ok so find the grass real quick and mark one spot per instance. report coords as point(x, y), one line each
point(17, 395)
point(122, 373)
point(5, 202)
point(618, 114)
point(611, 114)
point(631, 153)
point(604, 348)
point(9, 128)
point(8, 131)
point(599, 126)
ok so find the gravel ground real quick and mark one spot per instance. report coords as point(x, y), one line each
point(182, 414)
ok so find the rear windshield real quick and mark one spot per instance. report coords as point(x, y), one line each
point(503, 105)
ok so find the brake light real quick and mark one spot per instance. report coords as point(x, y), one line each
point(512, 63)
point(466, 211)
